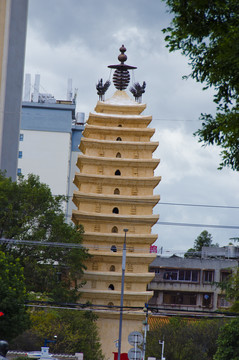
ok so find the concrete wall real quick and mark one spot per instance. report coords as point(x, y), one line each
point(12, 42)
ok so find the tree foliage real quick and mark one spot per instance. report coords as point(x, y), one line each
point(12, 298)
point(203, 239)
point(29, 211)
point(76, 332)
point(231, 289)
point(207, 32)
point(228, 342)
point(184, 339)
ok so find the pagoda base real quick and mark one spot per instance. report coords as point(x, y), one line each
point(108, 326)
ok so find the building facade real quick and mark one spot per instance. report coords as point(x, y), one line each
point(115, 203)
point(49, 143)
point(191, 283)
point(13, 25)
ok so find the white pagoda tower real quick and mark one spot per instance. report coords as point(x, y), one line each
point(115, 192)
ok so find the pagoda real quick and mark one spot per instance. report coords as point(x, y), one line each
point(115, 203)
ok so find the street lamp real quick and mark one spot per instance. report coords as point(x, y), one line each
point(122, 293)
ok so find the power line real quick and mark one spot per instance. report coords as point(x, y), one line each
point(183, 204)
point(153, 309)
point(41, 243)
point(198, 225)
point(199, 205)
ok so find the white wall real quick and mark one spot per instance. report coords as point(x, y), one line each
point(46, 154)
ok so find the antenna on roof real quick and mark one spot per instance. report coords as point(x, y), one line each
point(36, 88)
point(27, 90)
point(69, 90)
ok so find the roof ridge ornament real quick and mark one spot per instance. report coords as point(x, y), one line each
point(121, 76)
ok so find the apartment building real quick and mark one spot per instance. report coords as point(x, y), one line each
point(191, 283)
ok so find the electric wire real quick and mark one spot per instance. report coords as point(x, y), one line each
point(126, 309)
point(181, 204)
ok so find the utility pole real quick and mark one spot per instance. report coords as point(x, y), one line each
point(122, 293)
point(145, 323)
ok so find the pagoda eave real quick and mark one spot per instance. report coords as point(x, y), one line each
point(116, 199)
point(115, 237)
point(116, 118)
point(114, 276)
point(108, 144)
point(91, 129)
point(102, 161)
point(135, 258)
point(114, 295)
point(116, 180)
point(80, 216)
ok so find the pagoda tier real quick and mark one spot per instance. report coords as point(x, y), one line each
point(115, 192)
point(113, 133)
point(118, 120)
point(88, 146)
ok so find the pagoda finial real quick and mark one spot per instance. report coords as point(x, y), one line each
point(121, 77)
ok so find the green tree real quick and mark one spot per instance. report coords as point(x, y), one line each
point(29, 211)
point(184, 339)
point(228, 342)
point(12, 298)
point(207, 32)
point(231, 289)
point(204, 239)
point(76, 332)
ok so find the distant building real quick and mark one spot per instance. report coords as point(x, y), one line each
point(49, 138)
point(190, 283)
point(13, 25)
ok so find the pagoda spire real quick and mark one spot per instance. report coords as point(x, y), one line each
point(121, 77)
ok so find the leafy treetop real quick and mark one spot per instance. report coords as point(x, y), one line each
point(29, 211)
point(207, 32)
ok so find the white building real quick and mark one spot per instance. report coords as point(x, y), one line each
point(50, 133)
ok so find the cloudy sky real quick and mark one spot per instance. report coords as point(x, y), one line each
point(78, 39)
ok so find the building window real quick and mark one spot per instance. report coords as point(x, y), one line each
point(116, 191)
point(225, 274)
point(179, 298)
point(222, 302)
point(111, 287)
point(21, 137)
point(114, 229)
point(118, 155)
point(112, 268)
point(19, 171)
point(208, 276)
point(119, 139)
point(115, 210)
point(117, 172)
point(207, 300)
point(119, 125)
point(181, 275)
point(110, 304)
point(113, 248)
point(19, 154)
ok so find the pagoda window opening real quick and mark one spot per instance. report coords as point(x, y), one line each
point(116, 191)
point(110, 304)
point(119, 125)
point(118, 172)
point(114, 229)
point(115, 210)
point(118, 138)
point(118, 155)
point(112, 268)
point(113, 248)
point(111, 287)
